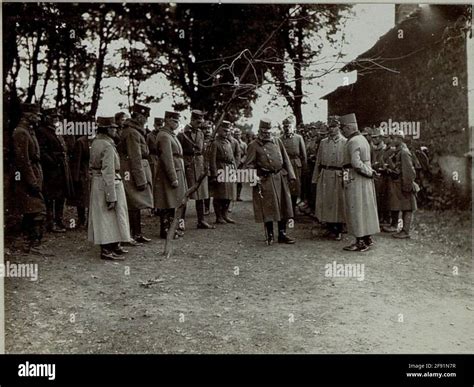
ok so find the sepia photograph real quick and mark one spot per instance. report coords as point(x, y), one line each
point(237, 178)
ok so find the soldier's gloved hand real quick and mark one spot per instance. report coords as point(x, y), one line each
point(175, 184)
point(111, 205)
point(141, 187)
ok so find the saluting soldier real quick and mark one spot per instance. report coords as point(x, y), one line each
point(136, 172)
point(29, 175)
point(221, 165)
point(153, 155)
point(108, 213)
point(192, 142)
point(271, 196)
point(170, 184)
point(359, 191)
point(296, 149)
point(243, 153)
point(402, 186)
point(57, 185)
point(327, 176)
point(80, 176)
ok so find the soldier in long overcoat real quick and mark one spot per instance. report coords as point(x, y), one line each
point(402, 186)
point(80, 176)
point(271, 196)
point(296, 149)
point(170, 184)
point(359, 191)
point(28, 175)
point(207, 130)
point(153, 155)
point(221, 166)
point(108, 212)
point(136, 172)
point(57, 184)
point(327, 176)
point(192, 142)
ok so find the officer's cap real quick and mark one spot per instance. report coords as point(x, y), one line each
point(265, 123)
point(172, 115)
point(197, 114)
point(158, 121)
point(30, 108)
point(106, 122)
point(141, 109)
point(350, 121)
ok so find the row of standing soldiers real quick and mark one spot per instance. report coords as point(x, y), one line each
point(157, 168)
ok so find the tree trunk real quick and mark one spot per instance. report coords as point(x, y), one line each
point(47, 77)
point(59, 93)
point(34, 67)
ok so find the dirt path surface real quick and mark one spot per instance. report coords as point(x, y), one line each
point(225, 291)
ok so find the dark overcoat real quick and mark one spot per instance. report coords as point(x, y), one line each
point(296, 149)
point(80, 171)
point(222, 163)
point(401, 190)
point(57, 182)
point(271, 196)
point(28, 174)
point(170, 168)
point(193, 144)
point(135, 169)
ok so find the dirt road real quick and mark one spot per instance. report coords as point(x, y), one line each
point(225, 291)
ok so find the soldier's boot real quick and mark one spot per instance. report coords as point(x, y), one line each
point(282, 237)
point(225, 212)
point(201, 222)
point(178, 232)
point(207, 206)
point(239, 191)
point(269, 233)
point(368, 240)
point(59, 215)
point(164, 224)
point(81, 216)
point(294, 199)
point(407, 217)
point(218, 211)
point(393, 223)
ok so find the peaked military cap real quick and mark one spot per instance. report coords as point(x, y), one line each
point(265, 123)
point(225, 124)
point(197, 114)
point(141, 109)
point(30, 108)
point(349, 120)
point(172, 115)
point(106, 122)
point(158, 121)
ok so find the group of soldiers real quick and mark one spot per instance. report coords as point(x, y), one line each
point(349, 182)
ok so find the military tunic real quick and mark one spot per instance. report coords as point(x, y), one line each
point(401, 192)
point(296, 149)
point(153, 154)
point(170, 168)
point(192, 142)
point(135, 169)
point(80, 171)
point(379, 153)
point(271, 197)
point(328, 178)
point(359, 191)
point(222, 163)
point(106, 226)
point(57, 182)
point(28, 172)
